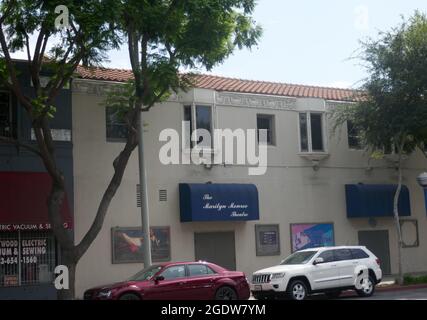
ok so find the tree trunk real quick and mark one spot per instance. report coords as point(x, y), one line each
point(397, 218)
point(68, 261)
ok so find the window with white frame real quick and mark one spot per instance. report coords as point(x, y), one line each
point(311, 127)
point(199, 118)
point(117, 130)
point(266, 122)
point(353, 136)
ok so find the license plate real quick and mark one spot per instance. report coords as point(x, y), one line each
point(258, 288)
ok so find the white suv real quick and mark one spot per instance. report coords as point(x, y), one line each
point(327, 269)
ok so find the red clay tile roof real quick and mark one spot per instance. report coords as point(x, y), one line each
point(235, 85)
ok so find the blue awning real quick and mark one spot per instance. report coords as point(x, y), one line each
point(218, 202)
point(375, 200)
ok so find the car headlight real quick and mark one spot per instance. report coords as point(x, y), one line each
point(277, 275)
point(104, 294)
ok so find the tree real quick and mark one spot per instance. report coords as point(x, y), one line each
point(391, 113)
point(57, 50)
point(162, 37)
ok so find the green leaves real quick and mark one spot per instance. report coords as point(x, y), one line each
point(166, 36)
point(40, 108)
point(394, 110)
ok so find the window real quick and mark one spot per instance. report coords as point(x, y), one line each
point(353, 136)
point(266, 122)
point(145, 274)
point(199, 270)
point(174, 272)
point(7, 126)
point(199, 118)
point(117, 129)
point(359, 254)
point(343, 254)
point(299, 258)
point(311, 132)
point(26, 258)
point(328, 256)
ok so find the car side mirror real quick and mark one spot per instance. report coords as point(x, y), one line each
point(158, 279)
point(318, 261)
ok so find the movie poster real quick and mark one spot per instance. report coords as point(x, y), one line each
point(304, 236)
point(127, 244)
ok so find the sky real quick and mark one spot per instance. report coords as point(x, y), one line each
point(310, 41)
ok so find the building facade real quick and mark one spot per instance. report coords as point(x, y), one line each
point(28, 250)
point(320, 187)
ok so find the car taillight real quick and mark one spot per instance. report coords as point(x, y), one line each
point(378, 261)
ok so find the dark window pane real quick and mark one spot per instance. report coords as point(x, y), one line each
point(188, 118)
point(204, 121)
point(353, 136)
point(6, 129)
point(197, 270)
point(316, 132)
point(343, 254)
point(116, 127)
point(328, 256)
point(359, 254)
point(265, 122)
point(303, 131)
point(174, 272)
point(210, 271)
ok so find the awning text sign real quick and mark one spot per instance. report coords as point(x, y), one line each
point(218, 202)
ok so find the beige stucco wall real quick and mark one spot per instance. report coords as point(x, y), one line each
point(290, 192)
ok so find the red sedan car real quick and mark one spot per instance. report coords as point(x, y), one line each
point(177, 281)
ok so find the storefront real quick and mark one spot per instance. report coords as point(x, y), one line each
point(28, 250)
point(375, 201)
point(218, 202)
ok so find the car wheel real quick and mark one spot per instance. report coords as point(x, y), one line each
point(298, 290)
point(129, 296)
point(225, 293)
point(333, 294)
point(368, 290)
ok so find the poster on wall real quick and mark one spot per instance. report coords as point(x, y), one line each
point(127, 244)
point(267, 240)
point(306, 235)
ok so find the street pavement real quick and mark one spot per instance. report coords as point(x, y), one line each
point(415, 294)
point(412, 294)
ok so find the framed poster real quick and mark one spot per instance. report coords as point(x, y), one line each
point(267, 240)
point(410, 235)
point(311, 235)
point(126, 243)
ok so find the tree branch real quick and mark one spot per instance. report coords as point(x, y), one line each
point(119, 165)
point(18, 143)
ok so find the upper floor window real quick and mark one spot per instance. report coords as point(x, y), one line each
point(117, 129)
point(266, 122)
point(7, 127)
point(353, 136)
point(200, 121)
point(311, 132)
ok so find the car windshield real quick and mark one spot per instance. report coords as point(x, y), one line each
point(299, 257)
point(145, 274)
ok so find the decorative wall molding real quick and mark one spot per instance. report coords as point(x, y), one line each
point(255, 101)
point(102, 88)
point(93, 87)
point(335, 104)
